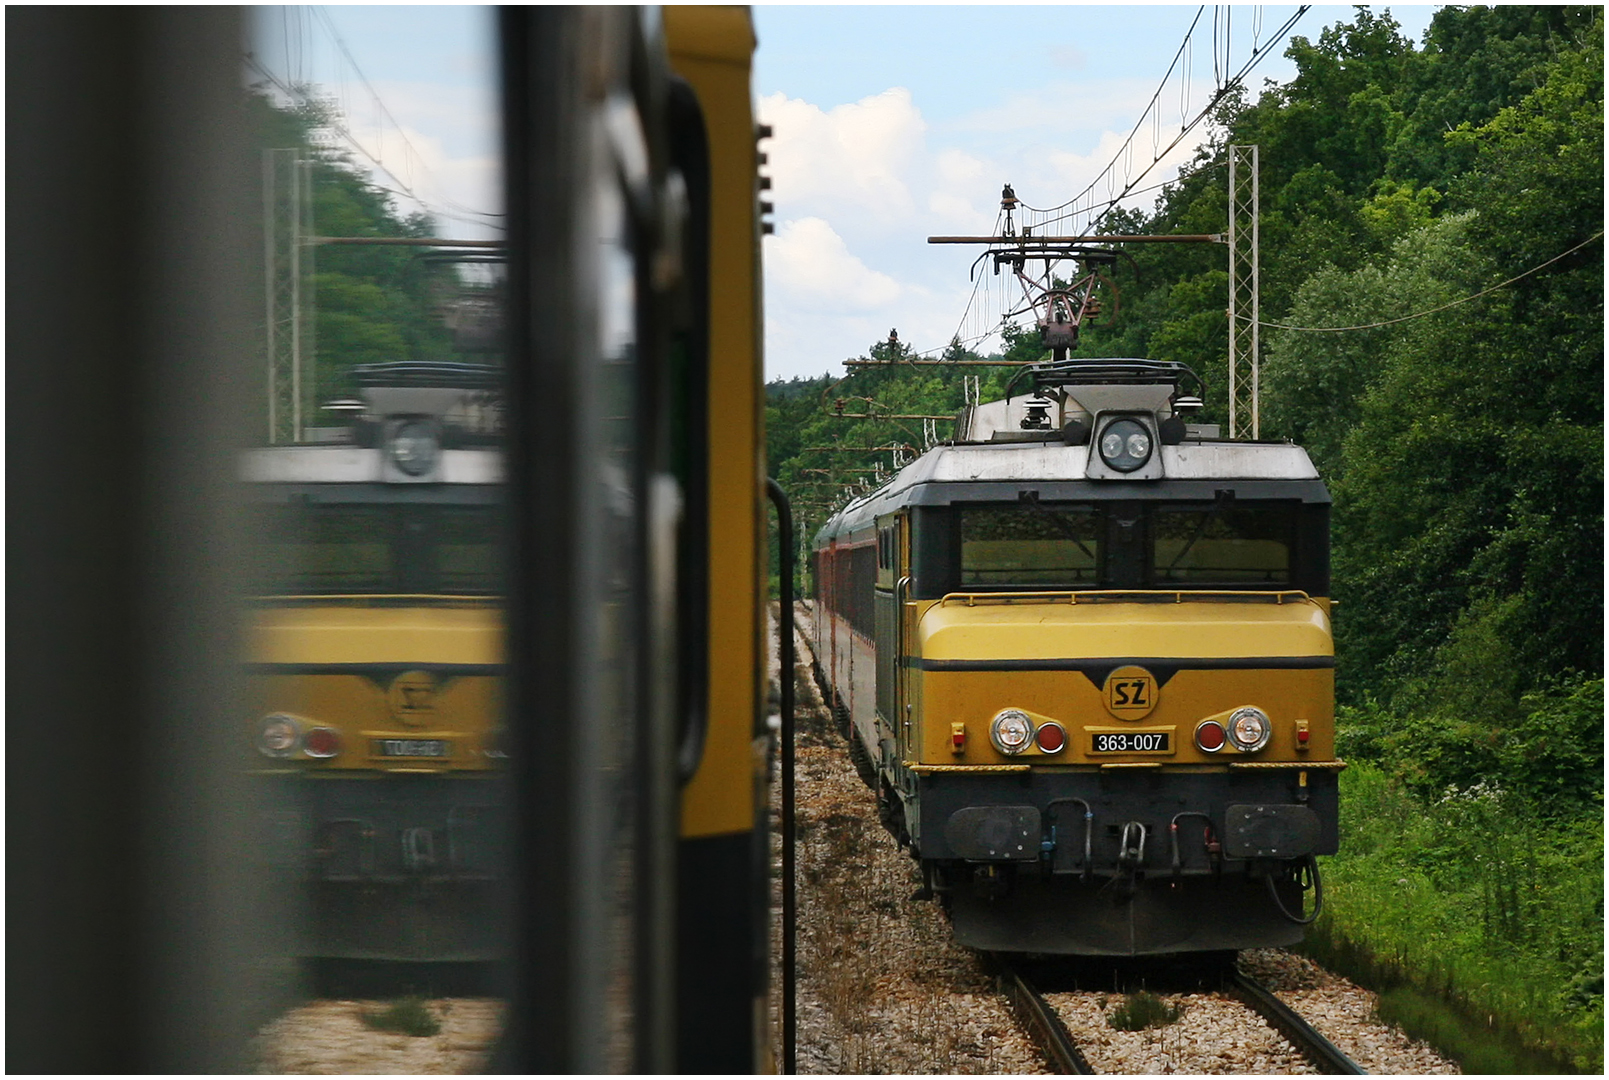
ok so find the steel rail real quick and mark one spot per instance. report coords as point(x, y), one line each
point(1324, 1054)
point(1044, 1026)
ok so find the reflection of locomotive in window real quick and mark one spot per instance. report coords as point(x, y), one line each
point(1086, 651)
point(377, 648)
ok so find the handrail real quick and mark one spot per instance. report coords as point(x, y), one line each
point(1133, 596)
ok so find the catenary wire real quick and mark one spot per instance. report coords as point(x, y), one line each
point(1421, 314)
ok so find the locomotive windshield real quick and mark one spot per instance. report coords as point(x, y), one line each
point(354, 548)
point(1221, 546)
point(1030, 545)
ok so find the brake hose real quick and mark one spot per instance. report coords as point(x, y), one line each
point(1311, 865)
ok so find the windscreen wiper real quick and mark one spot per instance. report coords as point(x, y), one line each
point(1031, 498)
point(1220, 499)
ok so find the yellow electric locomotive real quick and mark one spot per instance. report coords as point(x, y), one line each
point(376, 655)
point(1087, 651)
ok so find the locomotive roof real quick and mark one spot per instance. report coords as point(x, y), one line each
point(997, 472)
point(359, 465)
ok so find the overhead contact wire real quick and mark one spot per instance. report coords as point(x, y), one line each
point(1419, 315)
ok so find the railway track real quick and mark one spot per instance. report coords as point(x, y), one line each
point(1048, 1031)
point(1325, 1055)
point(1039, 1018)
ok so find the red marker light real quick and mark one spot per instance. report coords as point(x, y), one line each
point(1051, 737)
point(1210, 736)
point(322, 742)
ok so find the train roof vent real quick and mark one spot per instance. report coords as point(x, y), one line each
point(464, 399)
point(1099, 385)
point(429, 373)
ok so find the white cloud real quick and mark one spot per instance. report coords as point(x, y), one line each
point(860, 187)
point(1069, 57)
point(811, 265)
point(446, 151)
point(856, 153)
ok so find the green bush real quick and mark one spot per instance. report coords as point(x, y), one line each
point(1142, 1010)
point(1545, 751)
point(407, 1016)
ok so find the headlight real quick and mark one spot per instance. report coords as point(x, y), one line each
point(413, 447)
point(279, 736)
point(1125, 445)
point(1249, 729)
point(1011, 731)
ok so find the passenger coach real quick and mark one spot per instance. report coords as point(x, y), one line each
point(1086, 650)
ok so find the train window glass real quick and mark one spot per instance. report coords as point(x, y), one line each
point(1039, 546)
point(326, 550)
point(375, 469)
point(1222, 545)
point(468, 557)
point(334, 549)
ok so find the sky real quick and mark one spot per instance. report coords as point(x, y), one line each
point(892, 123)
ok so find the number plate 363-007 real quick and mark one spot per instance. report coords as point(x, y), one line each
point(414, 748)
point(1131, 742)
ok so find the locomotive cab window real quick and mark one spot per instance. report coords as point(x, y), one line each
point(1222, 545)
point(373, 548)
point(1031, 545)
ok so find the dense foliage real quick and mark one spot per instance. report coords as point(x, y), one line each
point(1448, 199)
point(361, 304)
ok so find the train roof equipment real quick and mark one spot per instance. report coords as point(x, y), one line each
point(1098, 428)
point(410, 422)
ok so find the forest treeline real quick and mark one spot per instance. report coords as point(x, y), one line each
point(1460, 430)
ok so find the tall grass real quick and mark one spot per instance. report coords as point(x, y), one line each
point(1481, 922)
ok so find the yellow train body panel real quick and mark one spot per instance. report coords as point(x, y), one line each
point(954, 629)
point(711, 48)
point(384, 631)
point(1153, 633)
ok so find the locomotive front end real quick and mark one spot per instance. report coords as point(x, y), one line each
point(1088, 650)
point(377, 670)
point(1125, 773)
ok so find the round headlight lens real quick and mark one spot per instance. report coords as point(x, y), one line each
point(1125, 444)
point(1249, 729)
point(279, 736)
point(413, 448)
point(1011, 731)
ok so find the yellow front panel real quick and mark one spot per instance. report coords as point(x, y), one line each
point(953, 630)
point(315, 649)
point(1143, 642)
point(1069, 697)
point(467, 633)
point(462, 712)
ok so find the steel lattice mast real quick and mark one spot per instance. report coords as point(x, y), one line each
point(287, 255)
point(1245, 314)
